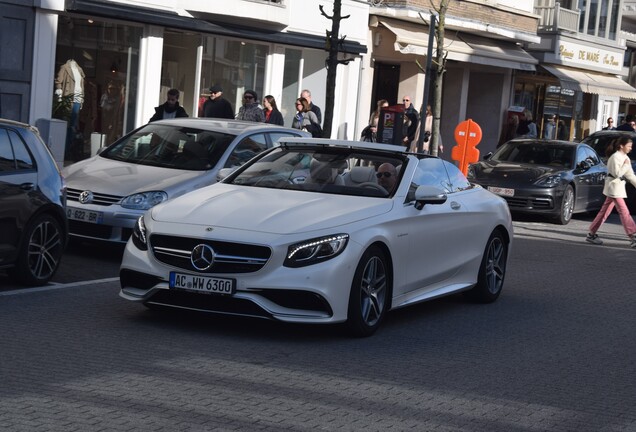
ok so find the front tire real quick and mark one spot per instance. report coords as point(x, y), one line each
point(368, 299)
point(40, 253)
point(567, 206)
point(492, 271)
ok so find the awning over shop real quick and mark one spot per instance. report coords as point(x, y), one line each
point(591, 82)
point(411, 38)
point(172, 19)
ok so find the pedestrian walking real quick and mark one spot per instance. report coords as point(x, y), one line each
point(312, 107)
point(610, 124)
point(251, 110)
point(272, 114)
point(619, 170)
point(217, 106)
point(170, 108)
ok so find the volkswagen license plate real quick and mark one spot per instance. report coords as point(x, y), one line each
point(502, 191)
point(202, 283)
point(84, 215)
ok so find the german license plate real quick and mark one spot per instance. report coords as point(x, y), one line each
point(202, 283)
point(84, 215)
point(502, 191)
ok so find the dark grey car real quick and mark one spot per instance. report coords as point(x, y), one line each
point(33, 227)
point(545, 177)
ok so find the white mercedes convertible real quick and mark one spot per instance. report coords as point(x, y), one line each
point(322, 231)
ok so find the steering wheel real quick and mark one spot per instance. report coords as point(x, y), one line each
point(371, 185)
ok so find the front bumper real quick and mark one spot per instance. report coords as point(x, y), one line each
point(317, 293)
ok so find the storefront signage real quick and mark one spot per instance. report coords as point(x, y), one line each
point(589, 55)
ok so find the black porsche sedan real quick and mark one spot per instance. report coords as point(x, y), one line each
point(545, 177)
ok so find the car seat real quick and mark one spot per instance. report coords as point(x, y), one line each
point(324, 172)
point(358, 175)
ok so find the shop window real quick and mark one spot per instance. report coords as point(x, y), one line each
point(235, 65)
point(96, 62)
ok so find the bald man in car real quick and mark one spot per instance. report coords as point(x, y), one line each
point(387, 176)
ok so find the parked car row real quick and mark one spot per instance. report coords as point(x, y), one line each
point(298, 229)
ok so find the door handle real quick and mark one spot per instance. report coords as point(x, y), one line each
point(455, 205)
point(27, 186)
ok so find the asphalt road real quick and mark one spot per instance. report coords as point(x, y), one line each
point(555, 353)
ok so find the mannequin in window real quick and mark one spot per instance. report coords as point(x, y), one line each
point(111, 107)
point(70, 82)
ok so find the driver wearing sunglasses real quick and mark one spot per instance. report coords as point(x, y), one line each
point(387, 176)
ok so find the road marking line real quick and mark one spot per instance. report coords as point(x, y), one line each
point(56, 286)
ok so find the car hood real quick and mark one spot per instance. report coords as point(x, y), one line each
point(512, 171)
point(103, 175)
point(268, 210)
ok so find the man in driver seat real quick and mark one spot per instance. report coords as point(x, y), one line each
point(387, 176)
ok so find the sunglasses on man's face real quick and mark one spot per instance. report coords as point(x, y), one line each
point(385, 174)
point(248, 97)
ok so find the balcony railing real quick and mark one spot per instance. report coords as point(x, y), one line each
point(555, 18)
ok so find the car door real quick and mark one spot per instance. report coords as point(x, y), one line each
point(18, 179)
point(589, 177)
point(435, 233)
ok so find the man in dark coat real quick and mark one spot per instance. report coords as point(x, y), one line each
point(313, 108)
point(170, 108)
point(628, 126)
point(217, 106)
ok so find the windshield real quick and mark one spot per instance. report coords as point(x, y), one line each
point(535, 153)
point(342, 171)
point(168, 146)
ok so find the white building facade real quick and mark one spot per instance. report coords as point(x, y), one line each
point(131, 52)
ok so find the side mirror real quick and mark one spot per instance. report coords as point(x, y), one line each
point(487, 155)
point(429, 195)
point(584, 165)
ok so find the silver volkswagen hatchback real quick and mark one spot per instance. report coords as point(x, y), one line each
point(33, 228)
point(161, 160)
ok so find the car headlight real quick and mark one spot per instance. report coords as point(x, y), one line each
point(549, 180)
point(139, 234)
point(144, 200)
point(315, 250)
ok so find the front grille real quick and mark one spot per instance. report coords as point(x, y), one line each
point(229, 257)
point(98, 198)
point(531, 203)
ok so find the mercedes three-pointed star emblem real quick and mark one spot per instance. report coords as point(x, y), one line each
point(202, 257)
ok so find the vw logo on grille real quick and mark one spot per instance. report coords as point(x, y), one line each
point(202, 257)
point(86, 197)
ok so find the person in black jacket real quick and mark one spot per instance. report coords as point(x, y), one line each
point(170, 108)
point(217, 106)
point(272, 114)
point(313, 108)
